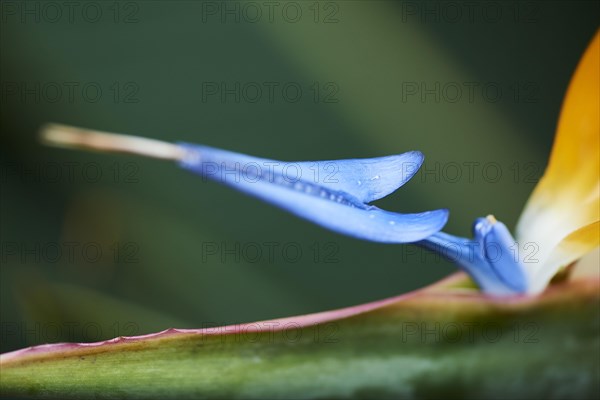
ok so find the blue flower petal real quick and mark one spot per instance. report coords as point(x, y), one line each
point(466, 254)
point(487, 258)
point(498, 243)
point(367, 179)
point(296, 188)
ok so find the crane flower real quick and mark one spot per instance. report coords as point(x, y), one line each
point(379, 348)
point(560, 221)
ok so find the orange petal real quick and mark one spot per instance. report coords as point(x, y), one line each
point(567, 197)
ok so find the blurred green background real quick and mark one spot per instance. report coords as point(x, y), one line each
point(476, 88)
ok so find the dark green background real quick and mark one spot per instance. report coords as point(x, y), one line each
point(166, 51)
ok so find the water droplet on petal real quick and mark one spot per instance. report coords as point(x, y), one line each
point(375, 178)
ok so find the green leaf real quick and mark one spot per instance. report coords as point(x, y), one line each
point(443, 340)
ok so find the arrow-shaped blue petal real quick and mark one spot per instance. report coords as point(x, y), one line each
point(332, 194)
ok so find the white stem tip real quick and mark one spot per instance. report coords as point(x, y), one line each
point(82, 138)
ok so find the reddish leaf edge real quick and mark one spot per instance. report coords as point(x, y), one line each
point(455, 288)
